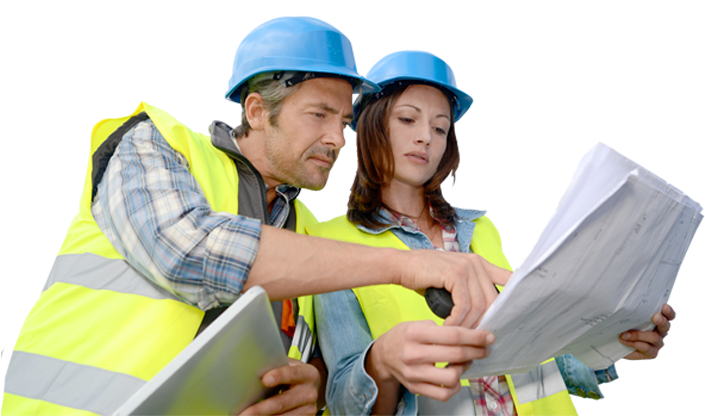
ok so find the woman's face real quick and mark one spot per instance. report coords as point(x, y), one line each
point(418, 127)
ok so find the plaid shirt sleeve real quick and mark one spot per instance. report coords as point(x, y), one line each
point(156, 215)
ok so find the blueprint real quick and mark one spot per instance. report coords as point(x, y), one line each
point(605, 263)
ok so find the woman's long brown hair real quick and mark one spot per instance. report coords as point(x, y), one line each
point(375, 165)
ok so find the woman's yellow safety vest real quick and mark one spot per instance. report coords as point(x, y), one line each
point(538, 392)
point(100, 330)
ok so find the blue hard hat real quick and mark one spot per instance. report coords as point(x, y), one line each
point(301, 44)
point(414, 67)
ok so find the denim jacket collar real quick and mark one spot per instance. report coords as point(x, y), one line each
point(416, 240)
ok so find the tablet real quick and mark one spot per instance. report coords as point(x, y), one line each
point(220, 372)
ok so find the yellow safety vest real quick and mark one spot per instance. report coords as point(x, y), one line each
point(539, 392)
point(100, 330)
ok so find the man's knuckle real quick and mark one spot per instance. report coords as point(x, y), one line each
point(273, 405)
point(309, 409)
point(310, 395)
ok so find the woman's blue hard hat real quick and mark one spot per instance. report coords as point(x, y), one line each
point(414, 67)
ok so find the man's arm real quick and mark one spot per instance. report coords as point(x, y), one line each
point(156, 215)
point(290, 265)
point(154, 212)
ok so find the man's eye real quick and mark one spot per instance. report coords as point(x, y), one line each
point(319, 115)
point(345, 124)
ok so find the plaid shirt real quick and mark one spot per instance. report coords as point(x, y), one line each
point(154, 212)
point(491, 394)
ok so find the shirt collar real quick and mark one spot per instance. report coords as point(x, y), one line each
point(222, 138)
point(389, 219)
point(289, 192)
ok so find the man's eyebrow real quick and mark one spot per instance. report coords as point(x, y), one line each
point(325, 107)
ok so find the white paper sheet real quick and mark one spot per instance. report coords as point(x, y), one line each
point(605, 264)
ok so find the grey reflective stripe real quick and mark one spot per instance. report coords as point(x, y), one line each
point(100, 273)
point(68, 384)
point(538, 383)
point(303, 339)
point(462, 403)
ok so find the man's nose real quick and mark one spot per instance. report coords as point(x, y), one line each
point(335, 137)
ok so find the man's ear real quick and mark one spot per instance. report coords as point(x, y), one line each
point(255, 111)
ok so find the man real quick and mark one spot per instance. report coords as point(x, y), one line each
point(173, 226)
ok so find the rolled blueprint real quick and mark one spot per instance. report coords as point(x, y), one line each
point(606, 262)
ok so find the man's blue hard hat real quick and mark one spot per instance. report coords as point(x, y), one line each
point(414, 67)
point(301, 44)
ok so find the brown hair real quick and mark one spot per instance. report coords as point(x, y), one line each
point(375, 165)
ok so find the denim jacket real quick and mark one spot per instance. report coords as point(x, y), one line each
point(345, 338)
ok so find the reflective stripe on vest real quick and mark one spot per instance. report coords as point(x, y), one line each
point(68, 384)
point(98, 273)
point(304, 338)
point(541, 391)
point(100, 302)
point(542, 381)
point(539, 383)
point(98, 319)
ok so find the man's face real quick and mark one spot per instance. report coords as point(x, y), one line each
point(302, 148)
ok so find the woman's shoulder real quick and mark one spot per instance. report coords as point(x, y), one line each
point(469, 214)
point(479, 217)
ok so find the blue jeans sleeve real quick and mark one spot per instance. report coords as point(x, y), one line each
point(345, 339)
point(581, 380)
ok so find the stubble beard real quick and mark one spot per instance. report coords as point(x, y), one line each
point(287, 169)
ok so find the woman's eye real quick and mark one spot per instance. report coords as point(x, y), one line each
point(440, 131)
point(406, 120)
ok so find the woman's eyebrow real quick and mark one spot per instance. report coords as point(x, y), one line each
point(419, 110)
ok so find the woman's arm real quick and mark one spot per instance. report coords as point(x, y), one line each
point(345, 338)
point(369, 377)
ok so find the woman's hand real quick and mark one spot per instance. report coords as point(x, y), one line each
point(407, 354)
point(648, 343)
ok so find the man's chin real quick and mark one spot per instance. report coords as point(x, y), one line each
point(313, 182)
point(315, 186)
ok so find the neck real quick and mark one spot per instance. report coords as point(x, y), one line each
point(253, 148)
point(408, 201)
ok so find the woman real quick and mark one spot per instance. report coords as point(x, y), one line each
point(380, 343)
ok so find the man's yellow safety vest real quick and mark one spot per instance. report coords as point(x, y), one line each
point(100, 330)
point(538, 392)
